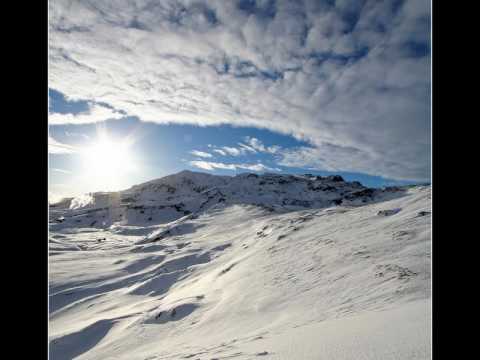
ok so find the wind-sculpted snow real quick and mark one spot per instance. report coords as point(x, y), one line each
point(239, 280)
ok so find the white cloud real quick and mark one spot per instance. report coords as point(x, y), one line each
point(219, 151)
point(247, 148)
point(209, 165)
point(56, 147)
point(75, 134)
point(233, 151)
point(96, 113)
point(61, 171)
point(257, 145)
point(258, 167)
point(201, 154)
point(251, 146)
point(343, 74)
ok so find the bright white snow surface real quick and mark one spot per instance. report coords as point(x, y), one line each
point(274, 270)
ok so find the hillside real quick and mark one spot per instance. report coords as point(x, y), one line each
point(270, 266)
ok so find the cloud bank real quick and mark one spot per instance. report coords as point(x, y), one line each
point(350, 77)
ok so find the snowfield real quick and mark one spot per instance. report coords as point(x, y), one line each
point(196, 266)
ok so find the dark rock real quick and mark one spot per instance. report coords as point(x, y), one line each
point(303, 203)
point(424, 213)
point(388, 212)
point(224, 271)
point(335, 178)
point(362, 193)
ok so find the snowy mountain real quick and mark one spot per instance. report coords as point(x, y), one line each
point(172, 197)
point(273, 266)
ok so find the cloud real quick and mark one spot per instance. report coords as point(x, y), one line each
point(201, 154)
point(96, 113)
point(233, 151)
point(61, 171)
point(257, 145)
point(251, 146)
point(353, 75)
point(247, 148)
point(219, 151)
point(56, 147)
point(209, 165)
point(75, 134)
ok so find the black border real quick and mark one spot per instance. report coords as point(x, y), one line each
point(25, 168)
point(36, 177)
point(42, 161)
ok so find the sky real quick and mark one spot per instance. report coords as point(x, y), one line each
point(143, 89)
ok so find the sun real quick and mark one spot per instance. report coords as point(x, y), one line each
point(107, 162)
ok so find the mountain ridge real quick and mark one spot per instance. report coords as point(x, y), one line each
point(171, 197)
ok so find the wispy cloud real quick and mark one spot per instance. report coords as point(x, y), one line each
point(220, 151)
point(61, 171)
point(209, 165)
point(75, 134)
point(56, 147)
point(233, 151)
point(350, 74)
point(257, 145)
point(201, 154)
point(250, 146)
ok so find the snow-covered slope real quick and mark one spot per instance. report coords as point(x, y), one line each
point(284, 267)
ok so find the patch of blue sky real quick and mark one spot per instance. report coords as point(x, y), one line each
point(59, 104)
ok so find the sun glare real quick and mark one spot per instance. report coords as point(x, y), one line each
point(107, 162)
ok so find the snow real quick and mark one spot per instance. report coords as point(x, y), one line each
point(253, 275)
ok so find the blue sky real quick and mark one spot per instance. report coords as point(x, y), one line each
point(233, 86)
